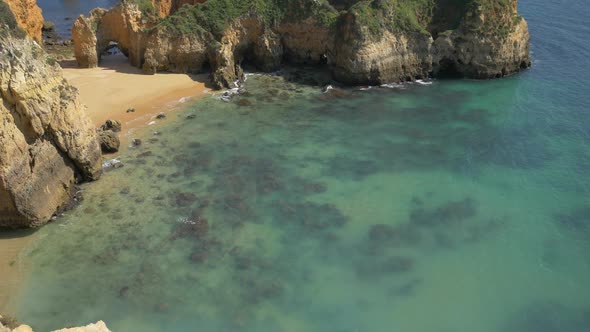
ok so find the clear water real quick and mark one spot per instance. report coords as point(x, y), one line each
point(457, 206)
point(64, 12)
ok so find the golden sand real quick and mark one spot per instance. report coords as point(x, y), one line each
point(111, 89)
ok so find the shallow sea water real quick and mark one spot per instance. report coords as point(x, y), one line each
point(454, 206)
point(63, 13)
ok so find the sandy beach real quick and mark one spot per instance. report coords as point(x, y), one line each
point(107, 91)
point(110, 90)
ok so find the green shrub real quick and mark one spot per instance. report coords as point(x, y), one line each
point(214, 16)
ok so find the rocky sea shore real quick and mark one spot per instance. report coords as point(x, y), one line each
point(294, 165)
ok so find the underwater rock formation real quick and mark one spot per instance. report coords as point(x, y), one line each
point(47, 142)
point(366, 42)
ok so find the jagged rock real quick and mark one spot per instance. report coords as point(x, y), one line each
point(48, 26)
point(28, 16)
point(47, 141)
point(109, 141)
point(99, 326)
point(113, 125)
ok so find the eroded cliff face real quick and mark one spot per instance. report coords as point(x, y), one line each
point(28, 16)
point(367, 42)
point(362, 58)
point(47, 141)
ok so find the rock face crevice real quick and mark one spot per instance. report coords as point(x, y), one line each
point(48, 143)
point(367, 42)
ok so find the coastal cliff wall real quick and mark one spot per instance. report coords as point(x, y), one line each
point(362, 42)
point(47, 142)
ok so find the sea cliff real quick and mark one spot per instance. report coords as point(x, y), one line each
point(361, 42)
point(48, 143)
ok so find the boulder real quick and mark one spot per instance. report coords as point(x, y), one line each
point(109, 141)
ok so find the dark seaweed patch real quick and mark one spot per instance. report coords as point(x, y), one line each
point(310, 216)
point(577, 220)
point(450, 213)
point(550, 317)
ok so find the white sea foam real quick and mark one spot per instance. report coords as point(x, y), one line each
point(393, 86)
point(185, 220)
point(110, 163)
point(423, 82)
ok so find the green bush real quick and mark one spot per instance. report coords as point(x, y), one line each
point(214, 16)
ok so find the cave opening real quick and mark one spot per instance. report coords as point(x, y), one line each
point(447, 69)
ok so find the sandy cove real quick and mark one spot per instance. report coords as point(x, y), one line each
point(107, 91)
point(110, 90)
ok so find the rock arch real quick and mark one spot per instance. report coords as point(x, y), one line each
point(93, 35)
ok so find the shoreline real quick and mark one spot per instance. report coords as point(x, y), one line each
point(107, 91)
point(110, 90)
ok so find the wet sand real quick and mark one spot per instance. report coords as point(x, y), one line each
point(110, 90)
point(12, 266)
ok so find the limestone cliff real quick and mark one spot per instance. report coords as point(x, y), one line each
point(28, 16)
point(361, 41)
point(47, 142)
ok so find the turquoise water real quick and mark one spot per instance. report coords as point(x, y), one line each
point(455, 206)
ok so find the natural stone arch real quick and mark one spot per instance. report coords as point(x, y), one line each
point(93, 35)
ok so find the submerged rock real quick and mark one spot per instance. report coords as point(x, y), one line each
point(449, 213)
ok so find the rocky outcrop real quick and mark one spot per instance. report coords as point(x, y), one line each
point(488, 44)
point(359, 58)
point(366, 42)
point(109, 141)
point(99, 326)
point(47, 142)
point(28, 16)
